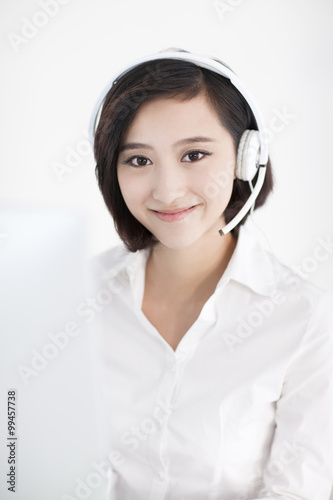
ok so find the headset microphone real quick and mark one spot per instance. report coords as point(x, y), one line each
point(252, 152)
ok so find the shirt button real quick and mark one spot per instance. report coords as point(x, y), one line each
point(180, 356)
point(162, 476)
point(173, 366)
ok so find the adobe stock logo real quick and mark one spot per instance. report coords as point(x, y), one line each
point(73, 157)
point(30, 27)
point(85, 312)
point(223, 7)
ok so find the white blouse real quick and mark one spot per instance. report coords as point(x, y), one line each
point(241, 410)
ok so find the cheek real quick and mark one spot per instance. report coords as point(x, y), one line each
point(131, 189)
point(125, 185)
point(218, 184)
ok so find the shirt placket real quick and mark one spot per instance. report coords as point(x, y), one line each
point(166, 398)
point(165, 402)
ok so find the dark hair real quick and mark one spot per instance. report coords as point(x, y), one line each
point(167, 78)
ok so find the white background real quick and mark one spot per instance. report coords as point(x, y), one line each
point(282, 51)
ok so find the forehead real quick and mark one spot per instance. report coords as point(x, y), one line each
point(170, 116)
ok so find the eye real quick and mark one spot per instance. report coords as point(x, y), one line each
point(137, 161)
point(195, 155)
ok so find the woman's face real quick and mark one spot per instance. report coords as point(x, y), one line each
point(176, 169)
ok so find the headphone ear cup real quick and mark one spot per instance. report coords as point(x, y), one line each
point(247, 155)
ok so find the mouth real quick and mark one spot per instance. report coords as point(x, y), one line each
point(175, 214)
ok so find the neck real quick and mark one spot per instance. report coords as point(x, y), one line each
point(189, 271)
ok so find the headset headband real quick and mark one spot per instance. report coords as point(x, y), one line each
point(199, 60)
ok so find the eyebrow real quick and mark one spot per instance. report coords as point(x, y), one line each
point(181, 142)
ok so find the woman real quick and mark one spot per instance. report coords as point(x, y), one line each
point(217, 359)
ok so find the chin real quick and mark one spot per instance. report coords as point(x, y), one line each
point(177, 242)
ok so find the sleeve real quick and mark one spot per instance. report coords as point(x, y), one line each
point(300, 466)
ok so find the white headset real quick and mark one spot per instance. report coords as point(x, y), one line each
point(252, 153)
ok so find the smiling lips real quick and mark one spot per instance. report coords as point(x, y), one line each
point(175, 215)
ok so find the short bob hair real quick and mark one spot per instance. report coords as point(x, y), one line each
point(167, 78)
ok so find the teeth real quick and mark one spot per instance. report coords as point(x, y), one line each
point(177, 211)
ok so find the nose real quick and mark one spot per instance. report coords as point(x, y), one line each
point(169, 183)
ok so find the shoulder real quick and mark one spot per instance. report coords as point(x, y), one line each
point(292, 282)
point(109, 266)
point(267, 277)
point(111, 258)
point(304, 301)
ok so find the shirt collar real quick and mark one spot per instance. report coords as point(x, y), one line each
point(250, 264)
